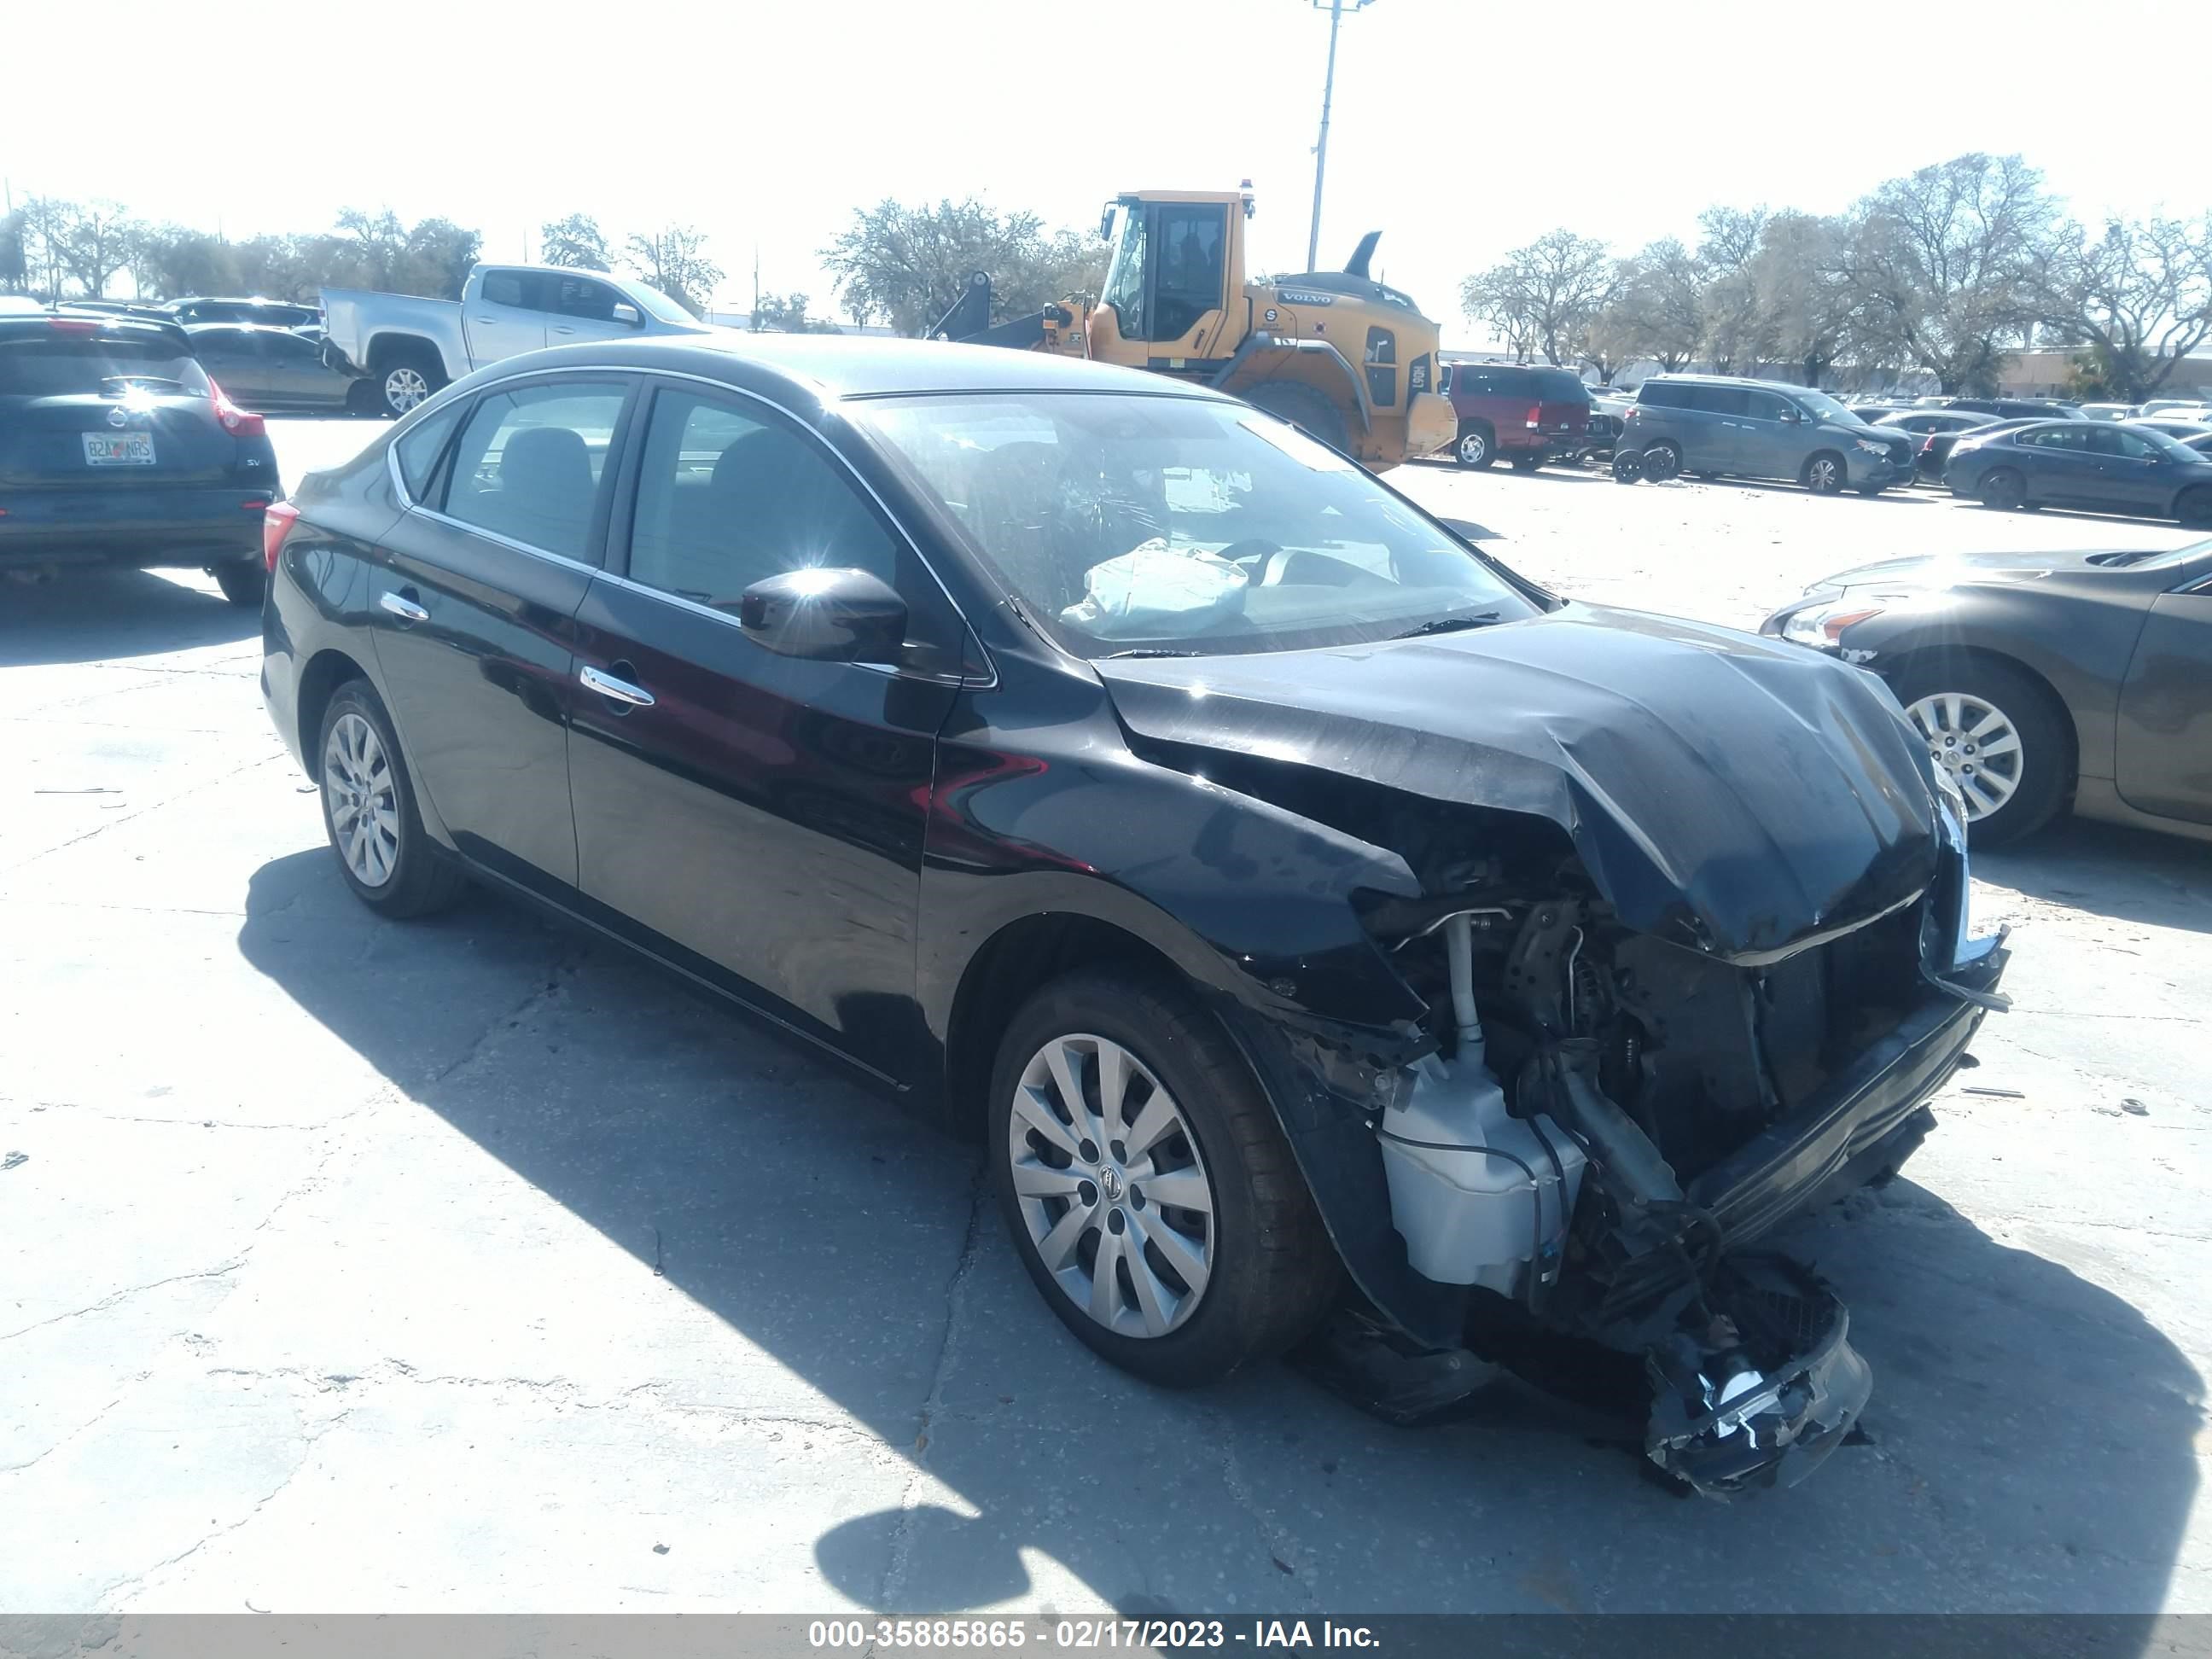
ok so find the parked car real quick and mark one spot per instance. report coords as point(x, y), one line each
point(2165, 405)
point(2172, 426)
point(411, 347)
point(2108, 411)
point(1179, 810)
point(2082, 464)
point(1936, 447)
point(2019, 409)
point(1922, 424)
point(2202, 446)
point(1527, 414)
point(115, 448)
point(272, 313)
point(1717, 427)
point(2043, 682)
point(277, 368)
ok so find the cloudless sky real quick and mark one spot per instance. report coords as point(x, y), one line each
point(1462, 127)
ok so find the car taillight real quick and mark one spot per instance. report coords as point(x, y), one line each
point(239, 422)
point(1536, 416)
point(1928, 445)
point(276, 523)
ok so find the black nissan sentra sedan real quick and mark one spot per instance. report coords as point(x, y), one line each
point(1320, 924)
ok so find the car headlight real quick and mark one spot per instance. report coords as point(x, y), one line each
point(1871, 446)
point(1820, 624)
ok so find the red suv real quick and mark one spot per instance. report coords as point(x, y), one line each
point(1524, 413)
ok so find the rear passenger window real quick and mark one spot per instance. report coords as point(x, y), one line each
point(529, 462)
point(1720, 400)
point(728, 494)
point(1662, 397)
point(419, 448)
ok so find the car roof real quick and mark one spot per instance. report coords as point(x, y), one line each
point(859, 366)
point(98, 323)
point(1735, 380)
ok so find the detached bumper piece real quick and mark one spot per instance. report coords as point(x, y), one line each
point(1765, 1388)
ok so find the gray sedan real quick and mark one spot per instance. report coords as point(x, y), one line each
point(268, 369)
point(2043, 682)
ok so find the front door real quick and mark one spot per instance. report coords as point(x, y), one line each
point(757, 818)
point(473, 617)
point(2058, 466)
point(2134, 473)
point(1766, 437)
point(585, 308)
point(2164, 734)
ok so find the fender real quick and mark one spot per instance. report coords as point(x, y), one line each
point(1233, 378)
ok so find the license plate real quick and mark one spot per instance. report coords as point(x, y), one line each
point(118, 449)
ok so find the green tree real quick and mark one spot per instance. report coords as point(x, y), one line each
point(674, 260)
point(907, 264)
point(785, 314)
point(576, 242)
point(172, 260)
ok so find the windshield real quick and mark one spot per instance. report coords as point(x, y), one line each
point(55, 363)
point(2171, 448)
point(654, 303)
point(1821, 407)
point(1124, 522)
point(1125, 276)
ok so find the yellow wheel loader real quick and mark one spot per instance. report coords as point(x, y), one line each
point(1351, 360)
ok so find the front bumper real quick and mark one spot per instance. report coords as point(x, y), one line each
point(1883, 470)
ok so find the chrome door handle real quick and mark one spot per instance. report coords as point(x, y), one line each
point(620, 690)
point(405, 609)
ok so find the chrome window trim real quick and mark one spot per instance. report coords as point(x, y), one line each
point(990, 670)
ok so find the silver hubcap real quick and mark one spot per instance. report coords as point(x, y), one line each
point(1473, 447)
point(404, 388)
point(1110, 1186)
point(1824, 474)
point(1976, 744)
point(364, 806)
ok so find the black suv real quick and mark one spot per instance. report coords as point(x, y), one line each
point(116, 448)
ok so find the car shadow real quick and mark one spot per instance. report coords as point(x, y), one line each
point(1891, 494)
point(2110, 869)
point(103, 613)
point(2090, 515)
point(2030, 1448)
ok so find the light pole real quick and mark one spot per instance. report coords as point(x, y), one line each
point(1336, 11)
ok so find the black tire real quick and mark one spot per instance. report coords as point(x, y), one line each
point(366, 398)
point(1305, 409)
point(243, 582)
point(1274, 1272)
point(2194, 510)
point(1824, 473)
point(2002, 489)
point(2043, 775)
point(407, 374)
point(1476, 447)
point(1663, 461)
point(1527, 462)
point(1628, 465)
point(422, 878)
point(1869, 490)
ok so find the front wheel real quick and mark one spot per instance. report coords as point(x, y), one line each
point(1999, 735)
point(1146, 1182)
point(1304, 407)
point(1825, 474)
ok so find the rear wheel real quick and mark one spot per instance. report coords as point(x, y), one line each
point(1663, 461)
point(1824, 473)
point(1869, 488)
point(1477, 447)
point(243, 584)
point(1304, 407)
point(2194, 510)
point(365, 398)
point(1147, 1184)
point(2002, 489)
point(384, 853)
point(1628, 465)
point(1999, 734)
point(1527, 462)
point(410, 375)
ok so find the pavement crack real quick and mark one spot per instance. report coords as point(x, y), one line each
point(102, 828)
point(1284, 1550)
point(540, 996)
point(933, 1405)
point(125, 1294)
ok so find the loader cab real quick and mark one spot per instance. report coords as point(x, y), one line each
point(1176, 267)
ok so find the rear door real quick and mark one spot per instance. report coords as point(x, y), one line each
point(472, 613)
point(228, 353)
point(751, 816)
point(507, 314)
point(2059, 467)
point(1714, 436)
point(85, 405)
point(2164, 734)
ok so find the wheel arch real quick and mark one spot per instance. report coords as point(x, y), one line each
point(326, 670)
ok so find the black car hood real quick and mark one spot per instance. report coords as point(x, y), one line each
point(1738, 796)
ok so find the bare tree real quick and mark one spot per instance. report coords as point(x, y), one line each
point(2139, 295)
point(1809, 315)
point(1735, 324)
point(1945, 262)
point(675, 261)
point(87, 242)
point(1657, 311)
point(909, 265)
point(1545, 295)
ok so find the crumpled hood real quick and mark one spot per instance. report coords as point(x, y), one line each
point(1737, 795)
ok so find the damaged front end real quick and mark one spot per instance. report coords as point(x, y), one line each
point(1643, 1050)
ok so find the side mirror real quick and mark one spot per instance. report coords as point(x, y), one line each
point(827, 614)
point(628, 314)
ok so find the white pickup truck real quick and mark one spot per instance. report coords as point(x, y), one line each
point(411, 346)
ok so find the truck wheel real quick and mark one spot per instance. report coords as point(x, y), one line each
point(1476, 448)
point(1305, 409)
point(366, 398)
point(410, 375)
